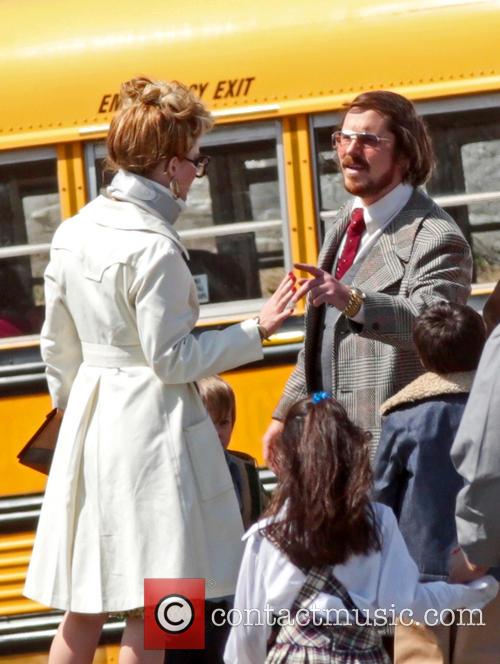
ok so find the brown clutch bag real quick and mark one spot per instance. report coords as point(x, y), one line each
point(39, 450)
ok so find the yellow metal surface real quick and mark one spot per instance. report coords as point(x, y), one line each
point(71, 178)
point(257, 393)
point(300, 188)
point(62, 65)
point(104, 655)
point(20, 417)
point(15, 552)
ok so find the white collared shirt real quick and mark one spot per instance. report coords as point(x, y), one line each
point(385, 580)
point(377, 217)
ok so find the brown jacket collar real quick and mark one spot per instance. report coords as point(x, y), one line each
point(430, 385)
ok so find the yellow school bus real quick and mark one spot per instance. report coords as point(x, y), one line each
point(276, 76)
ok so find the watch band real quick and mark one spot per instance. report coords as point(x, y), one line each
point(261, 328)
point(355, 302)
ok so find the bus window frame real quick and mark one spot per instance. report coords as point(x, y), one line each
point(20, 156)
point(33, 154)
point(241, 133)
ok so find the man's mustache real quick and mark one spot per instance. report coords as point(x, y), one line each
point(348, 161)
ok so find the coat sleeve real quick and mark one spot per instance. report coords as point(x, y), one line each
point(166, 306)
point(439, 268)
point(295, 389)
point(476, 455)
point(247, 642)
point(413, 600)
point(390, 476)
point(59, 342)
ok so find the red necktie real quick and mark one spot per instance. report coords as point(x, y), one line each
point(354, 232)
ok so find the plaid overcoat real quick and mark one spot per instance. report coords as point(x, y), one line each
point(421, 258)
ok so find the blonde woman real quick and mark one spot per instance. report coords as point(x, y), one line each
point(138, 486)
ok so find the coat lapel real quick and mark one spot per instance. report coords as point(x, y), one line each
point(384, 264)
point(333, 239)
point(314, 314)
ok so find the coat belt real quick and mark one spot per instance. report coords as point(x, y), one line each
point(112, 357)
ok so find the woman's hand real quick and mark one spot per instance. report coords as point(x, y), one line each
point(279, 306)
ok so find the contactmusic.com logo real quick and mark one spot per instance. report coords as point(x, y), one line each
point(174, 614)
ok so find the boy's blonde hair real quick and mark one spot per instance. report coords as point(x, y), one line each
point(218, 397)
point(156, 120)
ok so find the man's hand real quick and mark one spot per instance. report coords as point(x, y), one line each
point(461, 570)
point(272, 435)
point(324, 288)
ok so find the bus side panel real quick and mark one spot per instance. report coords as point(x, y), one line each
point(257, 394)
point(20, 416)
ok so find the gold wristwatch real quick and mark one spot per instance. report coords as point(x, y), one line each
point(355, 301)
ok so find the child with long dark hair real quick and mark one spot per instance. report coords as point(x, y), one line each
point(326, 563)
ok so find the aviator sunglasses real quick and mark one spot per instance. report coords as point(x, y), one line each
point(344, 138)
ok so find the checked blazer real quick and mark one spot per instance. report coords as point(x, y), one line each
point(420, 258)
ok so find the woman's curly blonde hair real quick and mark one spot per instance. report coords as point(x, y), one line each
point(156, 120)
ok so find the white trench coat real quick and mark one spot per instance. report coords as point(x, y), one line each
point(139, 486)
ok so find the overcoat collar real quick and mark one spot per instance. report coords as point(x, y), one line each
point(144, 207)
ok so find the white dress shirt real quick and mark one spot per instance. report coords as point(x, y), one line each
point(377, 217)
point(387, 579)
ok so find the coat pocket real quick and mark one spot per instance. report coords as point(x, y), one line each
point(208, 460)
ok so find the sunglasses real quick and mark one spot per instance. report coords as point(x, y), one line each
point(200, 163)
point(343, 139)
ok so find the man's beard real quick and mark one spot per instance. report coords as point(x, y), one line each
point(369, 187)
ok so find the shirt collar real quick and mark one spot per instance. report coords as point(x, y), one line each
point(379, 214)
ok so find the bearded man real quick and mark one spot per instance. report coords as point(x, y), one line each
point(390, 253)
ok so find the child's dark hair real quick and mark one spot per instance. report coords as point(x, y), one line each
point(321, 512)
point(449, 337)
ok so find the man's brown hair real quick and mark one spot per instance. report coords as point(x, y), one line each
point(449, 337)
point(412, 136)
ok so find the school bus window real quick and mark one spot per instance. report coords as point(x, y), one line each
point(233, 225)
point(481, 163)
point(29, 215)
point(331, 192)
point(467, 145)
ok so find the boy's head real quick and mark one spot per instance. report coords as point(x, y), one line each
point(449, 337)
point(219, 401)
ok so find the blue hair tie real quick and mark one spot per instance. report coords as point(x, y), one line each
point(319, 396)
